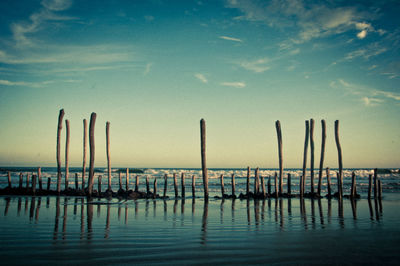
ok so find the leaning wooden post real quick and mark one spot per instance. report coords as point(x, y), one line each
point(353, 185)
point(303, 177)
point(34, 184)
point(66, 153)
point(289, 184)
point(127, 180)
point(193, 186)
point(137, 183)
point(203, 157)
point(9, 179)
point(165, 185)
point(183, 184)
point(369, 186)
point(175, 186)
point(321, 162)
point(375, 182)
point(76, 181)
point(312, 149)
point(59, 128)
point(222, 186)
point(39, 173)
point(233, 185)
point(279, 135)
point(256, 181)
point(108, 155)
point(328, 179)
point(20, 180)
point(147, 185)
point(339, 148)
point(92, 152)
point(84, 152)
point(99, 184)
point(48, 183)
point(248, 181)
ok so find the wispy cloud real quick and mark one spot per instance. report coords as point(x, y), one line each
point(35, 84)
point(230, 39)
point(234, 84)
point(368, 101)
point(201, 77)
point(389, 95)
point(148, 68)
point(257, 66)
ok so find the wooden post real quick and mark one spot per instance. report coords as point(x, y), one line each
point(276, 185)
point(127, 180)
point(339, 148)
point(353, 185)
point(375, 182)
point(92, 152)
point(34, 184)
point(379, 189)
point(99, 184)
point(256, 181)
point(338, 183)
point(303, 177)
point(48, 183)
point(137, 183)
point(289, 184)
point(84, 152)
point(9, 179)
point(76, 181)
point(203, 157)
point(312, 155)
point(175, 186)
point(39, 173)
point(222, 186)
point(27, 180)
point(120, 179)
point(108, 155)
point(248, 181)
point(369, 186)
point(233, 185)
point(279, 135)
point(59, 128)
point(321, 162)
point(193, 186)
point(20, 180)
point(155, 188)
point(328, 179)
point(183, 184)
point(147, 185)
point(66, 153)
point(269, 185)
point(263, 186)
point(165, 185)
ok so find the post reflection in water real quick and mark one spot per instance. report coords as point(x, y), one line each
point(321, 213)
point(64, 228)
point(281, 213)
point(7, 206)
point(203, 239)
point(233, 210)
point(248, 211)
point(38, 209)
point(303, 213)
point(82, 218)
point(340, 212)
point(107, 231)
point(193, 206)
point(354, 208)
point(222, 211)
point(19, 206)
point(89, 214)
point(313, 213)
point(257, 212)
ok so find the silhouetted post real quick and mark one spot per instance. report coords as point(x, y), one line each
point(203, 157)
point(20, 180)
point(263, 186)
point(339, 148)
point(34, 184)
point(321, 162)
point(279, 135)
point(303, 177)
point(9, 179)
point(147, 185)
point(375, 182)
point(92, 152)
point(338, 183)
point(269, 185)
point(328, 179)
point(369, 186)
point(127, 180)
point(233, 185)
point(27, 180)
point(66, 153)
point(379, 189)
point(84, 152)
point(248, 181)
point(108, 154)
point(353, 185)
point(165, 185)
point(193, 186)
point(183, 184)
point(76, 181)
point(59, 128)
point(48, 183)
point(175, 186)
point(289, 184)
point(312, 155)
point(99, 184)
point(137, 183)
point(222, 186)
point(155, 188)
point(257, 181)
point(120, 179)
point(39, 173)
point(276, 184)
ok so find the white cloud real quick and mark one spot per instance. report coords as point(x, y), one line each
point(148, 68)
point(35, 84)
point(201, 77)
point(234, 84)
point(230, 38)
point(257, 66)
point(12, 83)
point(362, 34)
point(389, 95)
point(368, 101)
point(367, 52)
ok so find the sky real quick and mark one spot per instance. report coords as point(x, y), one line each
point(154, 68)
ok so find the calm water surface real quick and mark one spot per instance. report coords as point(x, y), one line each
point(65, 230)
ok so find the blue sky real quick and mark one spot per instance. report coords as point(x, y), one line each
point(155, 68)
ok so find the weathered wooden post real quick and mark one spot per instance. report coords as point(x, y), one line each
point(276, 185)
point(289, 184)
point(155, 188)
point(39, 174)
point(9, 179)
point(99, 184)
point(379, 189)
point(183, 184)
point(203, 157)
point(339, 148)
point(92, 153)
point(269, 185)
point(108, 155)
point(27, 180)
point(59, 128)
point(20, 180)
point(279, 135)
point(303, 177)
point(369, 186)
point(120, 180)
point(353, 185)
point(248, 181)
point(66, 153)
point(127, 180)
point(321, 162)
point(328, 179)
point(375, 182)
point(193, 186)
point(84, 152)
point(257, 181)
point(48, 183)
point(263, 186)
point(34, 184)
point(312, 155)
point(165, 185)
point(175, 185)
point(147, 185)
point(76, 181)
point(137, 183)
point(233, 185)
point(222, 186)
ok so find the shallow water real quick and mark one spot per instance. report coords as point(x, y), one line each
point(65, 230)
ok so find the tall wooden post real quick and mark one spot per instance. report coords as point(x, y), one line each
point(257, 181)
point(375, 183)
point(9, 179)
point(165, 185)
point(34, 184)
point(339, 148)
point(108, 155)
point(222, 186)
point(84, 152)
point(137, 183)
point(147, 185)
point(276, 185)
point(263, 186)
point(27, 180)
point(369, 186)
point(175, 186)
point(379, 189)
point(303, 177)
point(92, 152)
point(183, 184)
point(269, 185)
point(312, 148)
point(203, 157)
point(20, 180)
point(321, 162)
point(99, 184)
point(233, 185)
point(155, 188)
point(353, 185)
point(127, 180)
point(39, 174)
point(66, 153)
point(48, 183)
point(59, 128)
point(279, 135)
point(193, 186)
point(120, 179)
point(289, 184)
point(248, 181)
point(76, 181)
point(328, 180)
